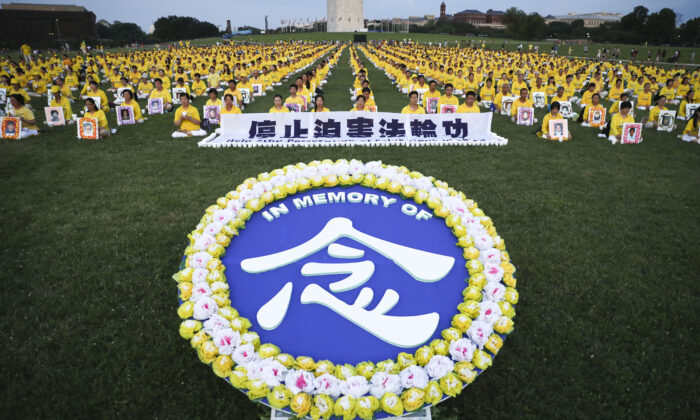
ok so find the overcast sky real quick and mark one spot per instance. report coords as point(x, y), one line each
point(145, 12)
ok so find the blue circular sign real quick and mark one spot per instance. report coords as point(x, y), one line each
point(346, 274)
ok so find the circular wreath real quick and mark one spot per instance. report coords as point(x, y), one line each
point(225, 340)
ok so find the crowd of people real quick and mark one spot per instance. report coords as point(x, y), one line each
point(433, 78)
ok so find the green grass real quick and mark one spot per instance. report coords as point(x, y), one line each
point(604, 238)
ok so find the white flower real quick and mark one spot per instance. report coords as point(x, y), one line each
point(493, 272)
point(310, 171)
point(204, 308)
point(213, 228)
point(199, 291)
point(227, 340)
point(325, 169)
point(494, 292)
point(414, 377)
point(299, 381)
point(200, 275)
point(489, 312)
point(490, 256)
point(462, 350)
point(439, 366)
point(244, 354)
point(246, 195)
point(223, 216)
point(204, 241)
point(278, 180)
point(423, 183)
point(219, 286)
point(215, 323)
point(354, 386)
point(483, 241)
point(374, 167)
point(327, 384)
point(341, 168)
point(269, 371)
point(479, 333)
point(356, 167)
point(200, 259)
point(234, 206)
point(383, 382)
point(455, 205)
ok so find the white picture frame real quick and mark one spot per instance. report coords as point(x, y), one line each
point(448, 109)
point(176, 91)
point(54, 116)
point(88, 128)
point(526, 115)
point(666, 120)
point(3, 96)
point(125, 115)
point(257, 89)
point(245, 95)
point(118, 96)
point(293, 107)
point(565, 109)
point(539, 99)
point(596, 116)
point(559, 129)
point(212, 113)
point(506, 104)
point(431, 105)
point(690, 110)
point(631, 133)
point(155, 106)
point(97, 99)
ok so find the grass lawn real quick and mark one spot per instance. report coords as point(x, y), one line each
point(604, 238)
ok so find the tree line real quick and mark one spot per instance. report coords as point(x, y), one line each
point(170, 28)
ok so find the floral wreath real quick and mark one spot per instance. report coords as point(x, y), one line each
point(81, 130)
point(18, 127)
point(224, 339)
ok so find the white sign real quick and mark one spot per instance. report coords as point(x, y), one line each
point(352, 128)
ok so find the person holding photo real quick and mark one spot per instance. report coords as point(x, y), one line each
point(413, 107)
point(687, 99)
point(469, 106)
point(214, 98)
point(161, 92)
point(690, 133)
point(63, 102)
point(644, 97)
point(552, 115)
point(145, 87)
point(278, 105)
point(595, 101)
point(25, 115)
point(96, 92)
point(229, 107)
point(130, 102)
point(448, 98)
point(99, 115)
point(187, 119)
point(523, 101)
point(319, 105)
point(618, 120)
point(653, 120)
point(293, 97)
point(498, 99)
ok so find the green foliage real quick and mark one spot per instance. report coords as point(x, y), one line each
point(523, 26)
point(690, 32)
point(121, 32)
point(173, 28)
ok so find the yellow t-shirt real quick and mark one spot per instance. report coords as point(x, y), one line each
point(444, 100)
point(184, 124)
point(654, 113)
point(546, 119)
point(691, 128)
point(325, 109)
point(617, 122)
point(65, 104)
point(27, 114)
point(216, 102)
point(407, 110)
point(137, 109)
point(464, 109)
point(164, 94)
point(100, 116)
point(275, 110)
point(487, 93)
point(517, 104)
point(234, 110)
point(199, 87)
point(644, 98)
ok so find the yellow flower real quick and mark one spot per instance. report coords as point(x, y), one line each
point(423, 355)
point(323, 407)
point(324, 366)
point(481, 359)
point(207, 352)
point(286, 360)
point(465, 371)
point(478, 280)
point(345, 406)
point(301, 404)
point(451, 334)
point(268, 350)
point(392, 404)
point(189, 327)
point(199, 338)
point(451, 384)
point(257, 389)
point(238, 378)
point(305, 363)
point(472, 293)
point(185, 289)
point(345, 371)
point(413, 399)
point(440, 347)
point(366, 406)
point(494, 344)
point(222, 365)
point(462, 322)
point(185, 310)
point(503, 325)
point(279, 397)
point(433, 393)
point(365, 369)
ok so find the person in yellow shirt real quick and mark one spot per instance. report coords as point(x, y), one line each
point(448, 98)
point(145, 87)
point(498, 99)
point(471, 83)
point(229, 108)
point(688, 99)
point(99, 115)
point(233, 90)
point(553, 114)
point(691, 133)
point(595, 102)
point(198, 86)
point(213, 98)
point(319, 104)
point(295, 99)
point(63, 102)
point(130, 102)
point(95, 92)
point(160, 92)
point(278, 105)
point(586, 97)
point(26, 52)
point(164, 79)
point(38, 86)
point(618, 120)
point(187, 119)
point(653, 120)
point(25, 115)
point(615, 107)
point(431, 93)
point(71, 79)
point(360, 105)
point(369, 98)
point(669, 92)
point(487, 91)
point(616, 91)
point(520, 83)
point(16, 89)
point(213, 78)
point(644, 97)
point(523, 101)
point(468, 106)
point(413, 107)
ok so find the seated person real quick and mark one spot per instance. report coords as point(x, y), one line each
point(413, 107)
point(618, 120)
point(360, 104)
point(595, 101)
point(145, 87)
point(63, 102)
point(213, 98)
point(319, 105)
point(95, 92)
point(523, 101)
point(688, 99)
point(552, 115)
point(25, 115)
point(278, 105)
point(229, 107)
point(161, 92)
point(99, 115)
point(448, 98)
point(653, 120)
point(469, 106)
point(130, 102)
point(187, 119)
point(690, 133)
point(294, 98)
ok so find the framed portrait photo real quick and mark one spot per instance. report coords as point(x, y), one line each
point(10, 128)
point(125, 115)
point(559, 129)
point(526, 116)
point(539, 99)
point(448, 109)
point(431, 105)
point(293, 107)
point(3, 96)
point(596, 116)
point(176, 93)
point(54, 116)
point(88, 128)
point(690, 110)
point(631, 133)
point(155, 105)
point(245, 95)
point(212, 113)
point(506, 104)
point(666, 120)
point(118, 96)
point(98, 101)
point(257, 89)
point(565, 109)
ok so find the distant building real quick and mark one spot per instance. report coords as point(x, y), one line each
point(590, 20)
point(492, 18)
point(44, 25)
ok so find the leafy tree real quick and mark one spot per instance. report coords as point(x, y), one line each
point(174, 28)
point(661, 26)
point(121, 32)
point(636, 19)
point(690, 32)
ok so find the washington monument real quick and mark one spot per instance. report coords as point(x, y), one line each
point(346, 16)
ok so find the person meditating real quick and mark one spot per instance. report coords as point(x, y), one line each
point(413, 107)
point(187, 119)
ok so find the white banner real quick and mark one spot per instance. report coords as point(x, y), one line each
point(353, 128)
